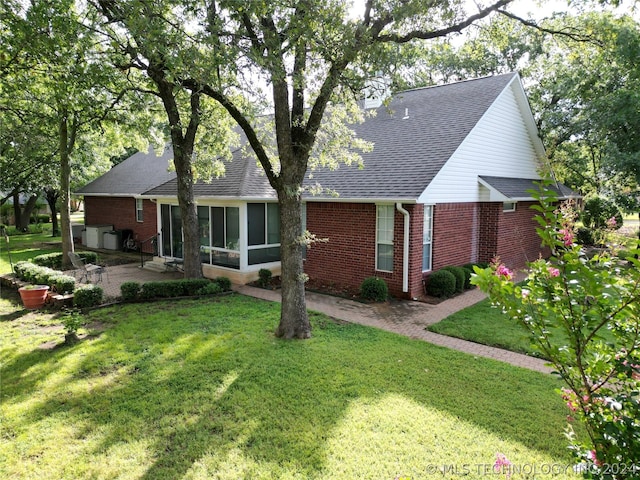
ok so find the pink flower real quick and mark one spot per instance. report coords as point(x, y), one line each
point(591, 455)
point(502, 464)
point(611, 223)
point(567, 236)
point(503, 271)
point(554, 272)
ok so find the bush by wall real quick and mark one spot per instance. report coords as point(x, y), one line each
point(374, 288)
point(441, 283)
point(54, 260)
point(458, 272)
point(584, 236)
point(29, 272)
point(264, 277)
point(87, 296)
point(174, 288)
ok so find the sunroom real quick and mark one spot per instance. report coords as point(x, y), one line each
point(237, 239)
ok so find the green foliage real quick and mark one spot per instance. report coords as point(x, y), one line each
point(212, 288)
point(441, 283)
point(599, 212)
point(584, 236)
point(224, 282)
point(72, 320)
point(40, 218)
point(32, 273)
point(130, 290)
point(87, 296)
point(54, 260)
point(459, 274)
point(374, 288)
point(173, 288)
point(566, 305)
point(264, 277)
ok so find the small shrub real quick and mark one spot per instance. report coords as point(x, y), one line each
point(87, 296)
point(264, 277)
point(190, 286)
point(224, 282)
point(130, 290)
point(54, 260)
point(441, 283)
point(212, 288)
point(374, 288)
point(458, 272)
point(584, 236)
point(63, 283)
point(598, 211)
point(71, 320)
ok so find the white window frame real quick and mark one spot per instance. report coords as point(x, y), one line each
point(389, 232)
point(427, 236)
point(509, 206)
point(139, 210)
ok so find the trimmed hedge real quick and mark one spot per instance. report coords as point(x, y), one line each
point(54, 260)
point(174, 288)
point(87, 296)
point(458, 272)
point(38, 275)
point(374, 288)
point(441, 283)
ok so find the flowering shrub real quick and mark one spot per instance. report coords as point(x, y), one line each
point(583, 315)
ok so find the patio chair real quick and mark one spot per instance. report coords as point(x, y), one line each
point(85, 270)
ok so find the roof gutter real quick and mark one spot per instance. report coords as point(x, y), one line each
point(405, 249)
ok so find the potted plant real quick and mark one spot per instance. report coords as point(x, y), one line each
point(33, 296)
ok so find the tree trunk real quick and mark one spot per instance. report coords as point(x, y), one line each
point(65, 193)
point(294, 321)
point(52, 200)
point(23, 215)
point(189, 211)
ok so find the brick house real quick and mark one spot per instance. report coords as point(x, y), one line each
point(446, 184)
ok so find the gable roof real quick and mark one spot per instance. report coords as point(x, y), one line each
point(134, 176)
point(520, 188)
point(413, 139)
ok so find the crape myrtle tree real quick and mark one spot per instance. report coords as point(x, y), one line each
point(313, 56)
point(55, 79)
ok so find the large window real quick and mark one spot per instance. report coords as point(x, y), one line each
point(427, 238)
point(171, 231)
point(263, 226)
point(220, 236)
point(384, 238)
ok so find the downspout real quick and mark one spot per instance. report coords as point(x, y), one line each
point(405, 252)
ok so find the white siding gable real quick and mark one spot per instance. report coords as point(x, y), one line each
point(504, 143)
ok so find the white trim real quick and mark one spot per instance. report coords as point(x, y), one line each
point(378, 242)
point(430, 243)
point(512, 208)
point(405, 249)
point(140, 218)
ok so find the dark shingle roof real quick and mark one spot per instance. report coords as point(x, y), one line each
point(519, 188)
point(413, 138)
point(134, 176)
point(409, 152)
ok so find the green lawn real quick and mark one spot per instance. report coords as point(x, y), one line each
point(27, 246)
point(482, 323)
point(201, 389)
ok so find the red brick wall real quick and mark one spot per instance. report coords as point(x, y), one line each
point(121, 213)
point(517, 240)
point(349, 255)
point(456, 230)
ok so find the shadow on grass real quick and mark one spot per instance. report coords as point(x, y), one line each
point(207, 378)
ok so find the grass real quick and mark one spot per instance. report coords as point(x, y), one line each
point(482, 323)
point(25, 247)
point(201, 389)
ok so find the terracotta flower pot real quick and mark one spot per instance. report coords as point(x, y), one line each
point(33, 296)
